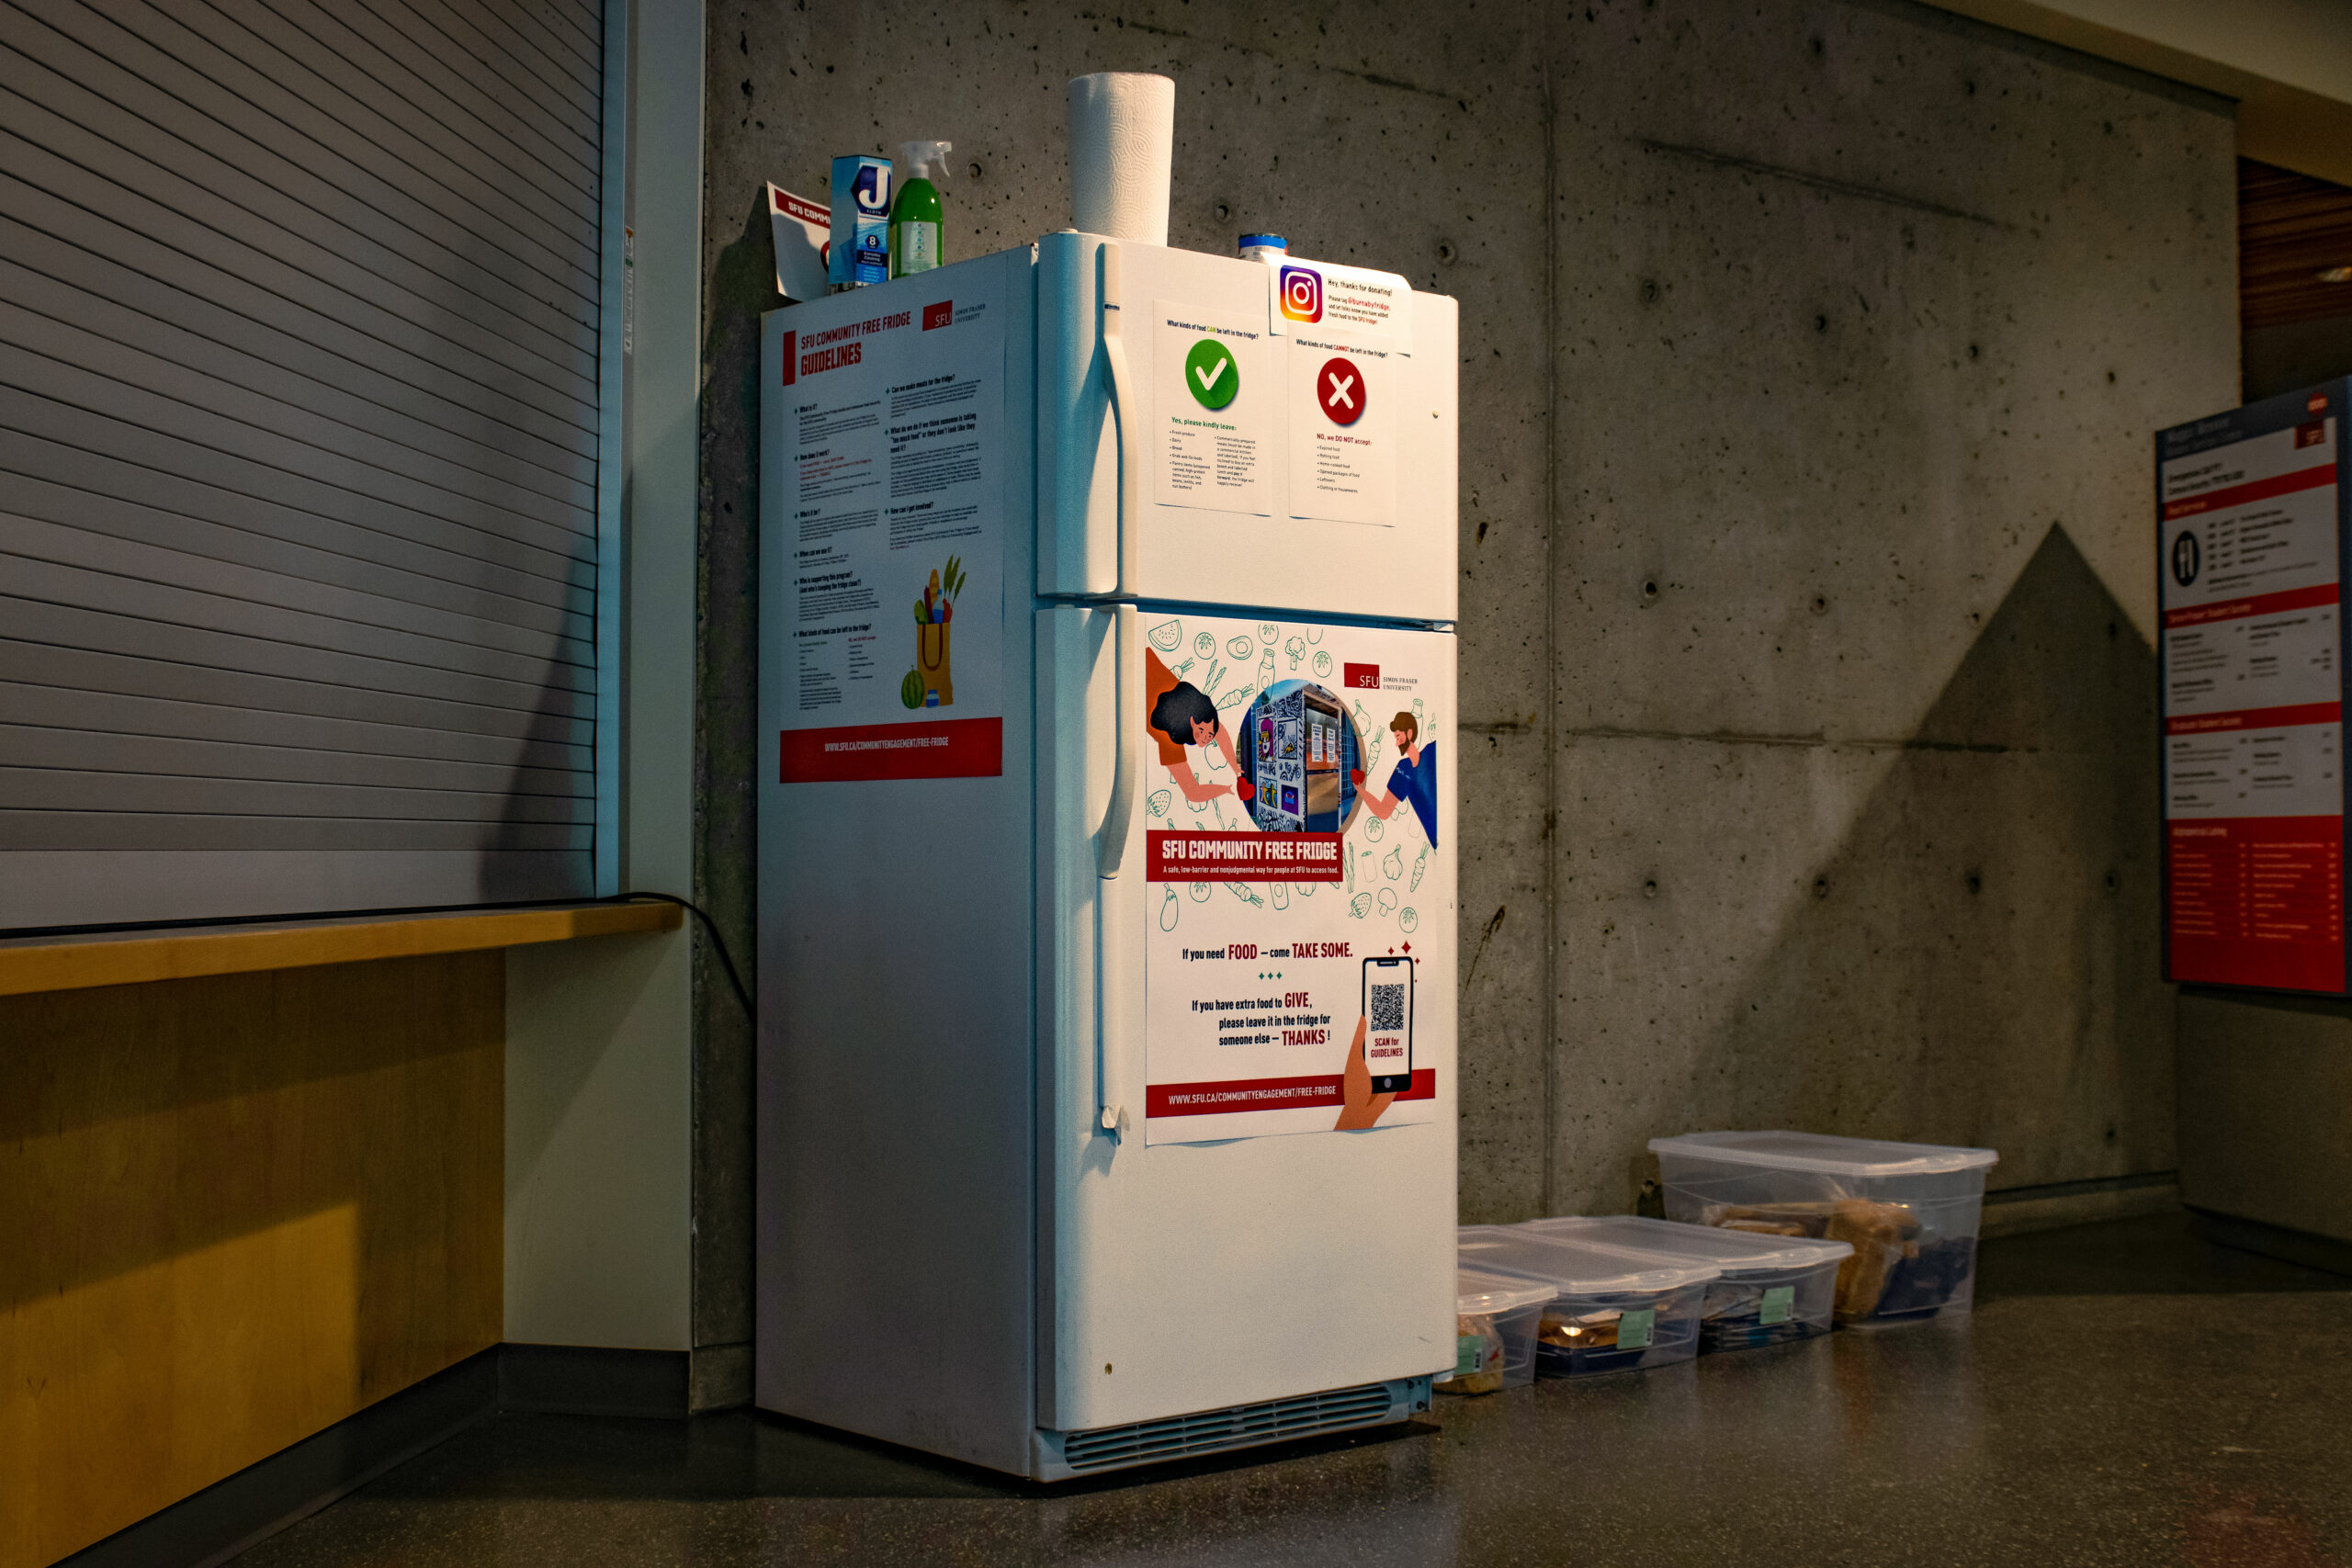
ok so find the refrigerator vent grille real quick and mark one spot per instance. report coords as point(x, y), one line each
point(1235, 1426)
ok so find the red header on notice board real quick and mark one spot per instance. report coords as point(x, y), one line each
point(2255, 718)
point(1243, 857)
point(1265, 1094)
point(941, 749)
point(2252, 491)
point(2286, 599)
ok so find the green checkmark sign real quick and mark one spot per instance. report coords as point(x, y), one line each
point(1210, 374)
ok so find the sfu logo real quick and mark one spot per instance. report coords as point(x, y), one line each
point(1360, 677)
point(1301, 294)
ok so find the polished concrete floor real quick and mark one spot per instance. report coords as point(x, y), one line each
point(2125, 1393)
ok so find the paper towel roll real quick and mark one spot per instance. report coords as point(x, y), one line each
point(1121, 132)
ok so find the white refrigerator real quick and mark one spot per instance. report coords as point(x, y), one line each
point(1106, 1072)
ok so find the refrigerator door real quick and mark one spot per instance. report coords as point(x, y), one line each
point(1230, 1211)
point(1216, 431)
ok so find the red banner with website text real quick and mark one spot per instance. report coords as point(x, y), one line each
point(940, 749)
point(1265, 1094)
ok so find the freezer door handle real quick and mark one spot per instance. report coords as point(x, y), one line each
point(1126, 416)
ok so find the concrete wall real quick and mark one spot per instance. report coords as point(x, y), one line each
point(2265, 1082)
point(1809, 354)
point(2288, 62)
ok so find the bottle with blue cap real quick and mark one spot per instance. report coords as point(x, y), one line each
point(1267, 248)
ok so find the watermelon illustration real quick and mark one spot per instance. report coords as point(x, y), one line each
point(910, 690)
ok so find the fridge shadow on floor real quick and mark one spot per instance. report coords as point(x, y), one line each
point(736, 1454)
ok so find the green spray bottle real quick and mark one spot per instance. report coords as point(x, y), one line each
point(918, 216)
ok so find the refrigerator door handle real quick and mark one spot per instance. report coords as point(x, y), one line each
point(1110, 852)
point(1126, 416)
point(1118, 817)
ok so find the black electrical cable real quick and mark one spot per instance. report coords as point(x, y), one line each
point(727, 959)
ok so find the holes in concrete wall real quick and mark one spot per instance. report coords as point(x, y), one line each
point(1649, 291)
point(1445, 252)
point(1975, 881)
point(1649, 888)
point(1223, 213)
point(1821, 888)
point(1821, 604)
point(1649, 591)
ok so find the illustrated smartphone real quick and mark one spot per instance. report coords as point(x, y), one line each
point(1388, 1023)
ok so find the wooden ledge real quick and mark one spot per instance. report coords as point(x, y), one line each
point(125, 958)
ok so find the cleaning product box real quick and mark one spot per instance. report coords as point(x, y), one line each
point(861, 223)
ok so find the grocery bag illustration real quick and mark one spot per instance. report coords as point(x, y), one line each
point(934, 663)
point(932, 683)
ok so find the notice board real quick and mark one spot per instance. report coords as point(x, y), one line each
point(2251, 551)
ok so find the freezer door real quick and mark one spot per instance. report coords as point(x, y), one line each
point(1213, 431)
point(1208, 1236)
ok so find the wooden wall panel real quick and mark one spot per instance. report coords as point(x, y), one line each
point(234, 1211)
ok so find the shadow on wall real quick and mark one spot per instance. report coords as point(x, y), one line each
point(1976, 962)
point(741, 289)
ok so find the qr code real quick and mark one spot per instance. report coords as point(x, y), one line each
point(1388, 1006)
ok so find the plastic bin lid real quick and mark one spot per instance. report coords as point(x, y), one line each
point(1575, 1268)
point(1736, 1252)
point(1821, 1152)
point(1477, 1292)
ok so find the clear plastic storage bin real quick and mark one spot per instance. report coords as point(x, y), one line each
point(1494, 1332)
point(1772, 1288)
point(1910, 1210)
point(1609, 1311)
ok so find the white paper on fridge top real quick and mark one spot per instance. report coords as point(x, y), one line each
point(1215, 396)
point(894, 441)
point(801, 229)
point(1254, 983)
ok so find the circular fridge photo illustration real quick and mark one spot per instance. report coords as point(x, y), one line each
point(1298, 749)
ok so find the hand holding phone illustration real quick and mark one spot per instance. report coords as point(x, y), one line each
point(1360, 1107)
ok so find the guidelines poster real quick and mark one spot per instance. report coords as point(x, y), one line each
point(894, 515)
point(1299, 880)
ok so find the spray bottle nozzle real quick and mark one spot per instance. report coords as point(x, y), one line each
point(924, 160)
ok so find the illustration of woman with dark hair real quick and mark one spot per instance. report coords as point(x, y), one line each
point(1179, 715)
point(1413, 780)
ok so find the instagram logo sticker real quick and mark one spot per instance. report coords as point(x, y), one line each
point(1301, 294)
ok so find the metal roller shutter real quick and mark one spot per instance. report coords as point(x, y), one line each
point(299, 444)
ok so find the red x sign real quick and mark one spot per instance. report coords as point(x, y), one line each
point(1339, 388)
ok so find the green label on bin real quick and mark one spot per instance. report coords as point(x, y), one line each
point(1466, 1349)
point(1633, 1328)
point(1778, 1299)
